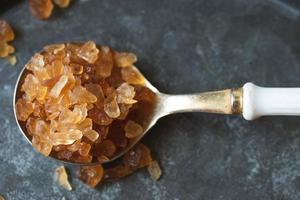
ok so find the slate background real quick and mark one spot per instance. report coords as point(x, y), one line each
point(184, 46)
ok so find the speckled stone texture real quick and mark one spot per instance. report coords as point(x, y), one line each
point(184, 46)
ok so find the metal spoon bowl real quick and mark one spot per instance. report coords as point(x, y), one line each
point(225, 101)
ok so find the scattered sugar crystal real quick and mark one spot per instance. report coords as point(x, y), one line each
point(61, 176)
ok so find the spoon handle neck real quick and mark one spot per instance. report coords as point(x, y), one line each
point(251, 101)
point(228, 101)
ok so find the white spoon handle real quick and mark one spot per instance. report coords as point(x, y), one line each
point(263, 101)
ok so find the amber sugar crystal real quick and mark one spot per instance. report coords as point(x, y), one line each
point(91, 175)
point(154, 170)
point(6, 32)
point(61, 177)
point(6, 35)
point(42, 9)
point(75, 104)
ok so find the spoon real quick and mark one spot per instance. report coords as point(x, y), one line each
point(250, 101)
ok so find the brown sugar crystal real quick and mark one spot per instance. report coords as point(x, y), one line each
point(154, 170)
point(132, 76)
point(133, 129)
point(106, 148)
point(5, 49)
point(41, 9)
point(6, 32)
point(61, 177)
point(12, 60)
point(7, 35)
point(23, 109)
point(125, 59)
point(104, 62)
point(91, 175)
point(138, 157)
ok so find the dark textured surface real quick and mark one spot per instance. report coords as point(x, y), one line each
point(183, 47)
